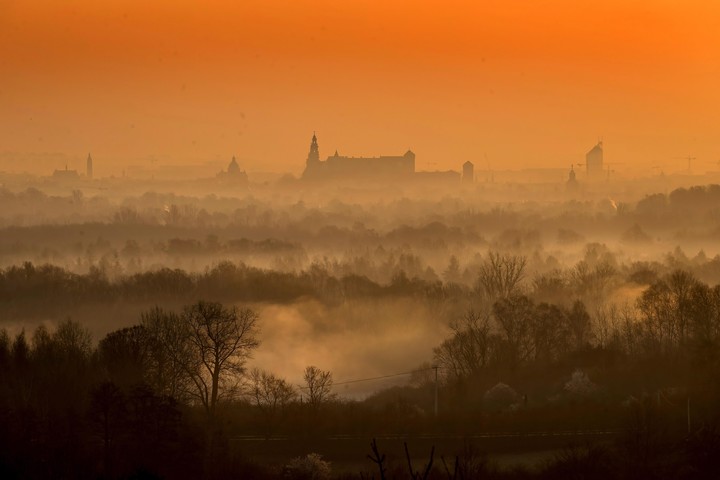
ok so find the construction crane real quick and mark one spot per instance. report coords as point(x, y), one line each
point(717, 164)
point(612, 171)
point(660, 168)
point(491, 178)
point(689, 160)
point(580, 165)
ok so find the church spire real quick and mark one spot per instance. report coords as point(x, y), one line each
point(89, 167)
point(314, 154)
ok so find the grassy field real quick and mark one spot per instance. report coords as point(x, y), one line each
point(348, 454)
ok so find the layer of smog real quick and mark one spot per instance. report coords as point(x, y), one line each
point(348, 280)
point(390, 289)
point(218, 291)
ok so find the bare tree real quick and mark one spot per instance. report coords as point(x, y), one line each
point(579, 325)
point(167, 353)
point(210, 344)
point(319, 386)
point(500, 275)
point(550, 332)
point(515, 318)
point(124, 355)
point(681, 285)
point(219, 341)
point(270, 394)
point(470, 348)
point(267, 391)
point(592, 282)
point(73, 339)
point(107, 407)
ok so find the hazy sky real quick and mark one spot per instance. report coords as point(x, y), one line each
point(529, 83)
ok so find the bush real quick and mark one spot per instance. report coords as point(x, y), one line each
point(309, 467)
point(500, 397)
point(580, 384)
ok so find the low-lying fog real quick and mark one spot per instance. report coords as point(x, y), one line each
point(363, 285)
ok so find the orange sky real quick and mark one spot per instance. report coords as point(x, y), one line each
point(529, 83)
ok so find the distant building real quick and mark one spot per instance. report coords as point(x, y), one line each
point(572, 184)
point(468, 173)
point(594, 161)
point(314, 155)
point(89, 167)
point(233, 174)
point(378, 169)
point(340, 167)
point(233, 167)
point(449, 177)
point(66, 174)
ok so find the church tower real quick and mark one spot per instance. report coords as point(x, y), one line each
point(314, 155)
point(89, 167)
point(312, 164)
point(572, 184)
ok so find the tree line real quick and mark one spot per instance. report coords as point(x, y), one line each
point(165, 394)
point(29, 290)
point(150, 397)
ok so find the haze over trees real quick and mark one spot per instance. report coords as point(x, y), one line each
point(176, 342)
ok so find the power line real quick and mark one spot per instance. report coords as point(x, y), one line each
point(381, 377)
point(346, 382)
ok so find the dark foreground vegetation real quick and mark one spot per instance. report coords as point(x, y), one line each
point(172, 396)
point(551, 354)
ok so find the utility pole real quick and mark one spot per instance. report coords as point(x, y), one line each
point(436, 390)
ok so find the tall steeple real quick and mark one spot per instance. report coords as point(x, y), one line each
point(313, 165)
point(89, 167)
point(572, 184)
point(314, 155)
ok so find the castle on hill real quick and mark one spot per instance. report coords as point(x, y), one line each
point(338, 166)
point(372, 169)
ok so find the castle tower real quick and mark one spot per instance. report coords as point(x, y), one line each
point(89, 167)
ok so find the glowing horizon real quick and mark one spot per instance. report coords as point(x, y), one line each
point(528, 85)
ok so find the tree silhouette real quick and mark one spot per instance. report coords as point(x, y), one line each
point(469, 349)
point(515, 317)
point(500, 275)
point(166, 339)
point(319, 386)
point(107, 408)
point(269, 394)
point(218, 342)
